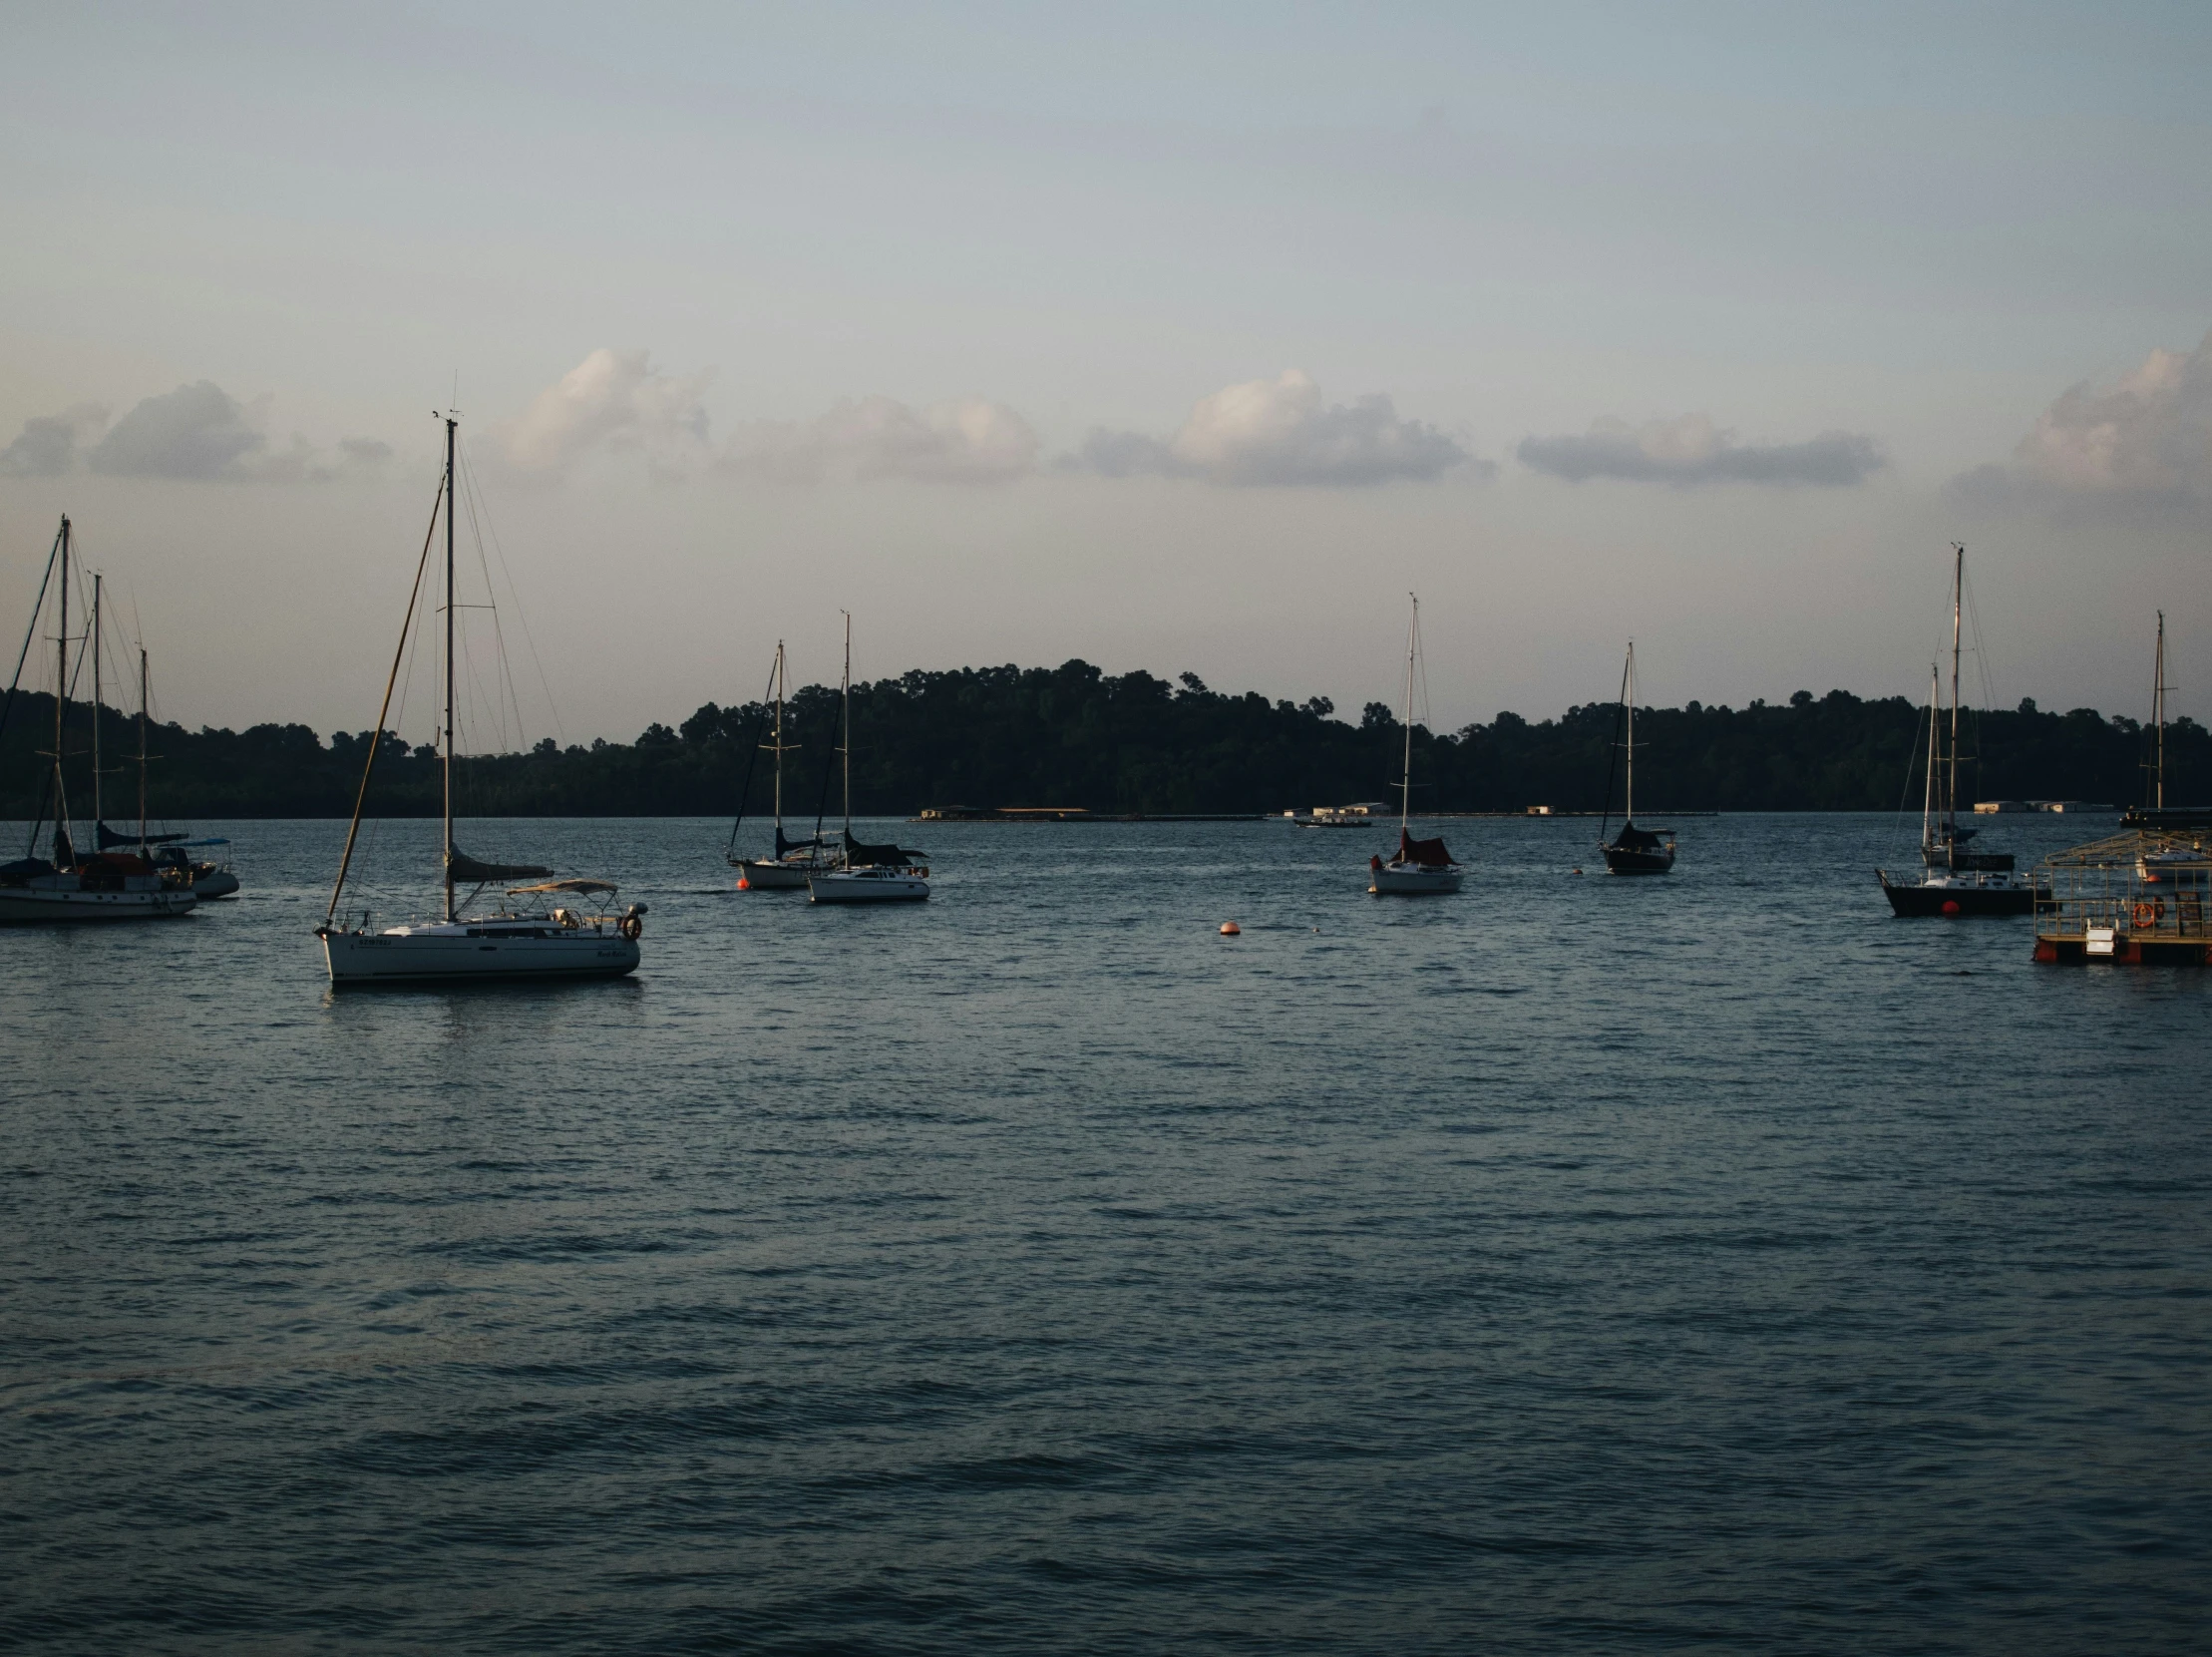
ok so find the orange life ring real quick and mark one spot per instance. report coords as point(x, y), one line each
point(2144, 913)
point(631, 928)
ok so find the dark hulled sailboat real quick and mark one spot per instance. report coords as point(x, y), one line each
point(1956, 880)
point(1633, 851)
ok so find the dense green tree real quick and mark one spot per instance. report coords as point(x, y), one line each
point(1074, 737)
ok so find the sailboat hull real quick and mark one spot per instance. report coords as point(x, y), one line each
point(461, 953)
point(1406, 880)
point(28, 906)
point(1623, 860)
point(869, 886)
point(765, 876)
point(1926, 899)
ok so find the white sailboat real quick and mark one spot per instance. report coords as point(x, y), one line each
point(796, 861)
point(534, 942)
point(73, 886)
point(870, 874)
point(1418, 867)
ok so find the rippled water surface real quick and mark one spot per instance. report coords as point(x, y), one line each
point(1710, 1263)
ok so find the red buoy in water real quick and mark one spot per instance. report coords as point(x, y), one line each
point(1229, 929)
point(1951, 907)
point(744, 885)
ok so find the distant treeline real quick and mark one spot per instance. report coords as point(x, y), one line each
point(1074, 737)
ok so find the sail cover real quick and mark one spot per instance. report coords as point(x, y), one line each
point(785, 845)
point(580, 888)
point(1428, 854)
point(466, 868)
point(108, 837)
point(859, 853)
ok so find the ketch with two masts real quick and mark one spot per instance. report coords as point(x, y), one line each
point(533, 941)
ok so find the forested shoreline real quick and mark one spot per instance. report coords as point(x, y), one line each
point(1073, 736)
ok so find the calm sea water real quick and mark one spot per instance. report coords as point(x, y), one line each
point(1575, 1264)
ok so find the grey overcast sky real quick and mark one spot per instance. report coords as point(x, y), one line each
point(1165, 336)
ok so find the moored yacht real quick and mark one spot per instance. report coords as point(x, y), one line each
point(1956, 880)
point(1418, 867)
point(796, 861)
point(1633, 851)
point(72, 886)
point(536, 941)
point(866, 873)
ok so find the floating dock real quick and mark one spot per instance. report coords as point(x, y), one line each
point(2141, 897)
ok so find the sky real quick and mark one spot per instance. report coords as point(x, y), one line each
point(1168, 338)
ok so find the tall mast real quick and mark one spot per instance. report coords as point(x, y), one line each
point(141, 748)
point(377, 736)
point(61, 705)
point(96, 823)
point(779, 747)
point(2158, 713)
point(1935, 743)
point(1405, 785)
point(1958, 595)
point(1628, 815)
point(847, 748)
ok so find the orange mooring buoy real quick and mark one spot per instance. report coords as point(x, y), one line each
point(1229, 929)
point(1951, 907)
point(744, 885)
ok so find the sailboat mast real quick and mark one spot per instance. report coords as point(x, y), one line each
point(450, 423)
point(1405, 785)
point(1958, 595)
point(141, 748)
point(2159, 712)
point(1934, 744)
point(1628, 814)
point(847, 748)
point(96, 698)
point(779, 747)
point(61, 703)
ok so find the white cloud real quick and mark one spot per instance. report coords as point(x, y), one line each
point(1279, 432)
point(613, 400)
point(1690, 449)
point(2147, 436)
point(968, 440)
point(48, 445)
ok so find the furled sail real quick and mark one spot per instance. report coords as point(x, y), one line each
point(109, 837)
point(858, 854)
point(465, 868)
point(1428, 854)
point(582, 887)
point(785, 845)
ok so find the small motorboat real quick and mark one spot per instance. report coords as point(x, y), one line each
point(871, 884)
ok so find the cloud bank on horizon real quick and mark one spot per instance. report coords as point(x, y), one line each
point(1690, 450)
point(2146, 437)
